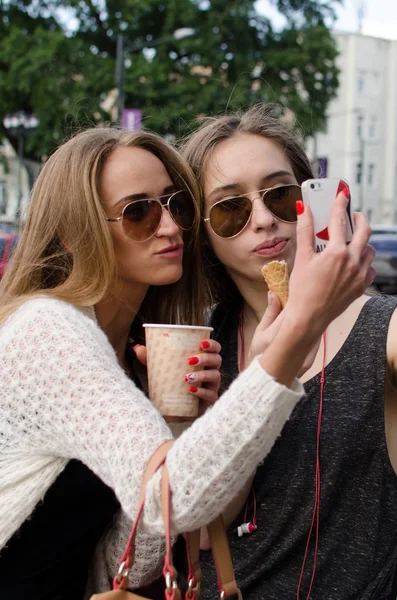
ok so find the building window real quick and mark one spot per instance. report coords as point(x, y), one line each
point(372, 128)
point(359, 172)
point(371, 171)
point(360, 120)
point(3, 198)
point(360, 83)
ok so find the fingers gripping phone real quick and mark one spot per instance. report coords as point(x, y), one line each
point(319, 195)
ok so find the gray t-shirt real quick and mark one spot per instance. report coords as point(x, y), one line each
point(358, 513)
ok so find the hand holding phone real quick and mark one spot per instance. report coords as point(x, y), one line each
point(319, 195)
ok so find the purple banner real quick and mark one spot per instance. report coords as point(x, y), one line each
point(322, 167)
point(131, 119)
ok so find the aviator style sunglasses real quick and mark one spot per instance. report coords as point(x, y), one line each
point(141, 219)
point(230, 216)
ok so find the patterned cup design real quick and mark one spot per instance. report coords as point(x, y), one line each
point(168, 349)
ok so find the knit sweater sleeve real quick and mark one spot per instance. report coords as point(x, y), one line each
point(68, 397)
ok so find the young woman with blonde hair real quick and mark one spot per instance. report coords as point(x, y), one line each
point(324, 500)
point(110, 229)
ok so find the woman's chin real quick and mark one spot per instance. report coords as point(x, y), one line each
point(169, 276)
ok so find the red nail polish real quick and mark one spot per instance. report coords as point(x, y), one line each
point(205, 345)
point(346, 192)
point(193, 360)
point(300, 207)
point(193, 389)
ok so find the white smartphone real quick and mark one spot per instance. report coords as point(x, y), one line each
point(320, 195)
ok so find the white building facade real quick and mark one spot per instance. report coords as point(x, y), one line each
point(360, 144)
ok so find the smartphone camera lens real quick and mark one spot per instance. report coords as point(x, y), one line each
point(312, 186)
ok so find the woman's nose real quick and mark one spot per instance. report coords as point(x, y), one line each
point(261, 217)
point(168, 227)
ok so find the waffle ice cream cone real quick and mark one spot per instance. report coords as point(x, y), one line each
point(277, 278)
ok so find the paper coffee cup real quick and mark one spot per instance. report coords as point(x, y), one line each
point(168, 348)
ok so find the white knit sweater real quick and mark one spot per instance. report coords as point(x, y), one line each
point(63, 395)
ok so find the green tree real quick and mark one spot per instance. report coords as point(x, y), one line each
point(57, 59)
point(56, 76)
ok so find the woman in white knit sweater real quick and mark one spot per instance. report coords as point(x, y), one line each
point(76, 432)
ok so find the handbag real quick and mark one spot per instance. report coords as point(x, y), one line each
point(219, 544)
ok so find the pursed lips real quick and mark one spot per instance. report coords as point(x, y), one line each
point(271, 244)
point(170, 250)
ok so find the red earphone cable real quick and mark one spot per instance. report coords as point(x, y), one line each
point(316, 508)
point(315, 523)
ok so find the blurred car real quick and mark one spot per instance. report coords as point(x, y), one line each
point(386, 229)
point(8, 241)
point(384, 240)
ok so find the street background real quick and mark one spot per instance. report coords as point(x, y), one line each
point(331, 66)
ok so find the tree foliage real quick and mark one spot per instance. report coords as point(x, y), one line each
point(58, 58)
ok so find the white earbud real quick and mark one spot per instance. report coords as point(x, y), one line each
point(246, 528)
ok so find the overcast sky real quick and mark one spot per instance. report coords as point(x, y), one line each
point(380, 16)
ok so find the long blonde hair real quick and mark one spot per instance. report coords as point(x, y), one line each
point(66, 250)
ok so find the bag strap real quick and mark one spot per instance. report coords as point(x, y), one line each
point(220, 551)
point(192, 541)
point(169, 571)
point(219, 543)
point(222, 558)
point(227, 585)
point(120, 582)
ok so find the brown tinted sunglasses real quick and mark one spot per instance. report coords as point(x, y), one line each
point(228, 217)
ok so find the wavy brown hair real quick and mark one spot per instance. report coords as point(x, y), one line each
point(197, 148)
point(65, 250)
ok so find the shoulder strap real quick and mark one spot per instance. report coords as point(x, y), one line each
point(219, 542)
point(169, 571)
point(220, 551)
point(192, 540)
point(120, 582)
point(223, 560)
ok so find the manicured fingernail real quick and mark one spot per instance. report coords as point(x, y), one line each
point(346, 192)
point(193, 389)
point(300, 207)
point(193, 360)
point(269, 298)
point(205, 345)
point(190, 377)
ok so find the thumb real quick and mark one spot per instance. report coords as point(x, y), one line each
point(140, 352)
point(304, 231)
point(271, 313)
